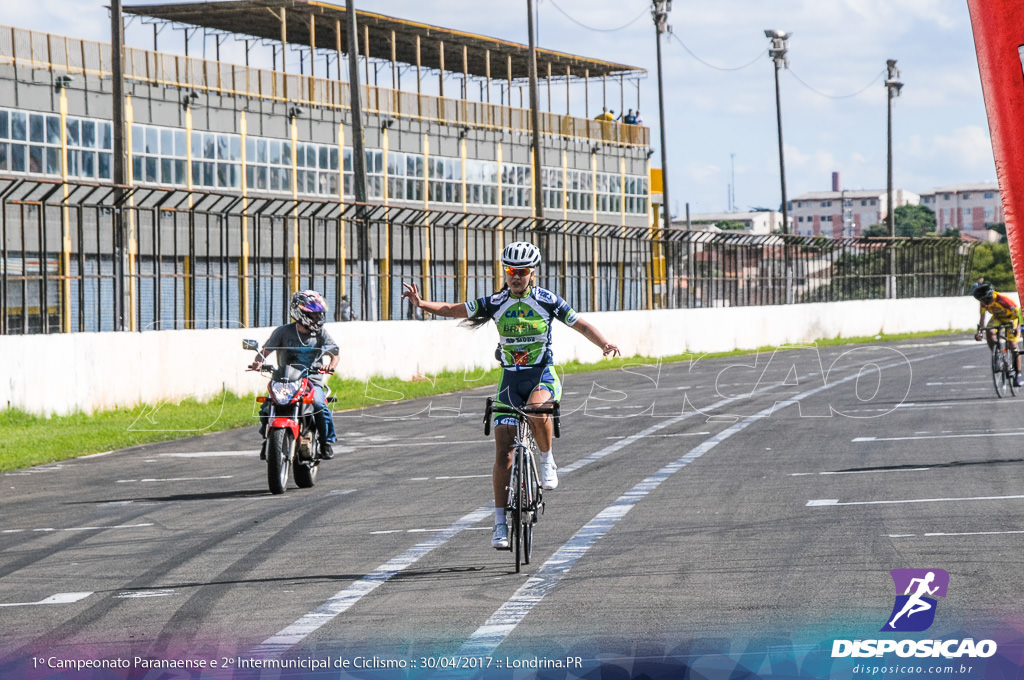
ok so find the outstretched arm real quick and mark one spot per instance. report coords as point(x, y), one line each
point(594, 335)
point(455, 310)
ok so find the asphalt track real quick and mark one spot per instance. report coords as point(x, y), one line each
point(718, 504)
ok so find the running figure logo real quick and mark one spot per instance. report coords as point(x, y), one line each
point(914, 609)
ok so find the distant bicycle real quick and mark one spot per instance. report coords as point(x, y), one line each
point(1002, 362)
point(525, 498)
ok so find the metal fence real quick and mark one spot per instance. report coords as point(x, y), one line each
point(80, 257)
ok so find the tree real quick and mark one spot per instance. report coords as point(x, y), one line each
point(914, 220)
point(992, 261)
point(875, 230)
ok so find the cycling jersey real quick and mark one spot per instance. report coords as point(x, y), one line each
point(524, 324)
point(1002, 308)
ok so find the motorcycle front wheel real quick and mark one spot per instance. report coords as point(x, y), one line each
point(280, 447)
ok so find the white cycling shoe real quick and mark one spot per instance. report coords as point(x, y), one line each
point(499, 539)
point(548, 475)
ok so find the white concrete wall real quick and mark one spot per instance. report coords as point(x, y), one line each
point(65, 373)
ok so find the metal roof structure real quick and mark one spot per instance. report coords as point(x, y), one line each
point(324, 26)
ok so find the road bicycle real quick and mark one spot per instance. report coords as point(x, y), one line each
point(1003, 361)
point(525, 501)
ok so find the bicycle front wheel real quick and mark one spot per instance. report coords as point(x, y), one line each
point(518, 502)
point(531, 493)
point(1000, 370)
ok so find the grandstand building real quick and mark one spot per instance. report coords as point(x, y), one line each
point(238, 171)
point(444, 117)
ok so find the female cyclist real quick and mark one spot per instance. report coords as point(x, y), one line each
point(523, 314)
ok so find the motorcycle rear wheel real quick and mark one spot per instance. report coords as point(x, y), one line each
point(280, 447)
point(305, 474)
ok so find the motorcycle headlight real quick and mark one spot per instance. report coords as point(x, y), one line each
point(284, 392)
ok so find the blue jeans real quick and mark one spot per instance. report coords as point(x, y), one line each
point(324, 418)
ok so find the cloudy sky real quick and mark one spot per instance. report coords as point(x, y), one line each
point(719, 83)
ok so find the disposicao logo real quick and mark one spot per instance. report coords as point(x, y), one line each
point(916, 590)
point(914, 611)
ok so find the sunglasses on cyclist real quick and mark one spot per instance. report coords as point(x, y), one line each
point(518, 271)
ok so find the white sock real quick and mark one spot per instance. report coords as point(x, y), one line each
point(545, 457)
point(499, 515)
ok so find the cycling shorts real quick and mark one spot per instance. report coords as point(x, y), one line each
point(517, 386)
point(1012, 334)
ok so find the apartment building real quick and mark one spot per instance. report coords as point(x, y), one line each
point(971, 209)
point(842, 213)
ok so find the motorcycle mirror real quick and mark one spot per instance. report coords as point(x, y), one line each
point(250, 345)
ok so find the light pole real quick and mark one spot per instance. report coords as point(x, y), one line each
point(660, 12)
point(368, 296)
point(538, 179)
point(893, 86)
point(777, 53)
point(119, 168)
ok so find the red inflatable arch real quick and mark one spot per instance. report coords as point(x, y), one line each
point(999, 40)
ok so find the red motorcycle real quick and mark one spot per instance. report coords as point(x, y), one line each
point(291, 440)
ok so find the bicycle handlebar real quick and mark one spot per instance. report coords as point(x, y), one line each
point(551, 409)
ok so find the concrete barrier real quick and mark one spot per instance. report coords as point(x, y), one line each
point(87, 372)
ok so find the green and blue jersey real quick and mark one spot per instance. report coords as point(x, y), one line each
point(524, 324)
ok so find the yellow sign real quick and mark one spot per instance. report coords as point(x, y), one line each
point(656, 183)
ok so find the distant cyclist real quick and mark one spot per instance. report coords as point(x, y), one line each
point(523, 314)
point(1003, 310)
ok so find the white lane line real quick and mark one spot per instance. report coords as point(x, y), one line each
point(671, 434)
point(209, 454)
point(960, 533)
point(500, 625)
point(171, 479)
point(858, 440)
point(829, 502)
point(859, 472)
point(418, 445)
point(956, 382)
point(383, 532)
point(135, 594)
point(48, 529)
point(443, 477)
point(59, 598)
point(281, 642)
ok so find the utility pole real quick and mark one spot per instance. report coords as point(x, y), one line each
point(777, 53)
point(660, 12)
point(538, 179)
point(367, 286)
point(120, 177)
point(893, 86)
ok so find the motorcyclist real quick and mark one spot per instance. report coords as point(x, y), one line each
point(300, 343)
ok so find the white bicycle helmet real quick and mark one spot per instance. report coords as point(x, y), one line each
point(520, 254)
point(309, 308)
